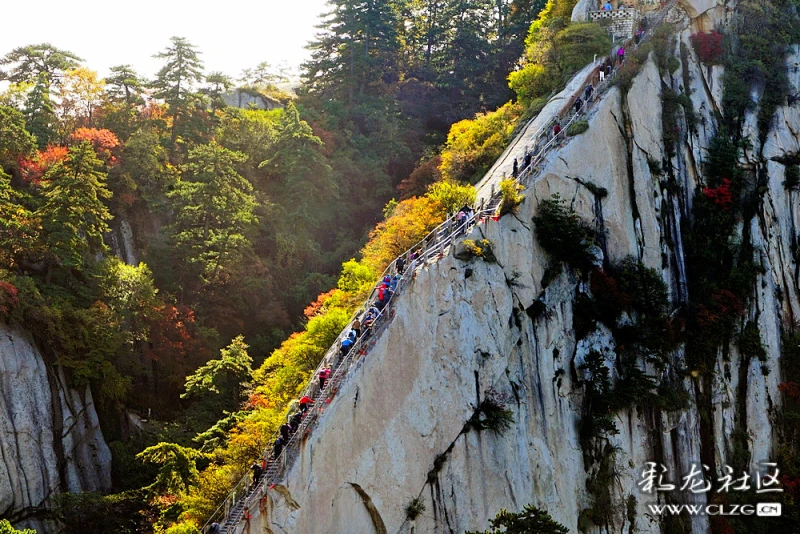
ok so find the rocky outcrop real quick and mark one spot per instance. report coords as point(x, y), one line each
point(580, 13)
point(121, 242)
point(398, 428)
point(50, 437)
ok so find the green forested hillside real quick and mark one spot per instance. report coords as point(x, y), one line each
point(242, 219)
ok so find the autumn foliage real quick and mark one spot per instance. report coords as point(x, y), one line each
point(418, 181)
point(103, 141)
point(8, 299)
point(708, 47)
point(32, 169)
point(318, 306)
point(172, 332)
point(721, 196)
point(473, 145)
point(410, 221)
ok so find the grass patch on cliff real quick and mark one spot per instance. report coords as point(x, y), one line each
point(492, 414)
point(7, 528)
point(477, 249)
point(577, 127)
point(414, 509)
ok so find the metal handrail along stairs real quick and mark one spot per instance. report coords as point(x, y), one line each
point(433, 246)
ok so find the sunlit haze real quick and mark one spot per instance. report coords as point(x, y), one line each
point(230, 35)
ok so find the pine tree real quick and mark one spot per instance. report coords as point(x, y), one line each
point(32, 61)
point(531, 520)
point(73, 216)
point(214, 210)
point(299, 167)
point(15, 140)
point(175, 81)
point(40, 117)
point(225, 378)
point(123, 99)
point(125, 85)
point(217, 84)
point(358, 50)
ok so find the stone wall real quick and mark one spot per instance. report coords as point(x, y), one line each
point(620, 23)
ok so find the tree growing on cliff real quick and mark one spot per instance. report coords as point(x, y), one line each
point(298, 166)
point(122, 101)
point(124, 84)
point(223, 381)
point(40, 118)
point(531, 520)
point(177, 467)
point(15, 141)
point(358, 50)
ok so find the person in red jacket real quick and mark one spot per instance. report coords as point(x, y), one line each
point(305, 402)
point(324, 374)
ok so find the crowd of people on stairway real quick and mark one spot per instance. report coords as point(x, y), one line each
point(581, 101)
point(359, 331)
point(363, 326)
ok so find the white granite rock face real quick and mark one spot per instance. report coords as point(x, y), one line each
point(396, 430)
point(50, 437)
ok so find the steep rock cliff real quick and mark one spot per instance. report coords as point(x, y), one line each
point(50, 438)
point(397, 429)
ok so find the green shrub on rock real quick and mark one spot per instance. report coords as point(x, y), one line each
point(562, 233)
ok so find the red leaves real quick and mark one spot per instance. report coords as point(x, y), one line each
point(708, 47)
point(790, 485)
point(257, 401)
point(103, 141)
point(728, 304)
point(607, 293)
point(727, 307)
point(8, 299)
point(721, 196)
point(316, 307)
point(32, 169)
point(171, 332)
point(791, 389)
